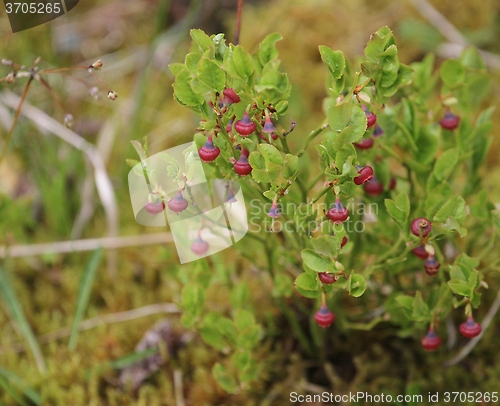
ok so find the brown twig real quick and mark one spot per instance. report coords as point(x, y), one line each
point(101, 177)
point(457, 42)
point(472, 343)
point(62, 247)
point(238, 23)
point(112, 318)
point(16, 117)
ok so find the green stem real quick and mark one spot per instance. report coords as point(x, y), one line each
point(312, 136)
point(226, 137)
point(315, 180)
point(395, 248)
point(323, 191)
point(15, 119)
point(269, 256)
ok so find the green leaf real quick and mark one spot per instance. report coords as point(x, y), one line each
point(176, 68)
point(347, 114)
point(249, 337)
point(267, 49)
point(307, 281)
point(357, 285)
point(213, 337)
point(203, 41)
point(344, 154)
point(16, 314)
point(428, 143)
point(459, 287)
point(405, 301)
point(471, 58)
point(445, 164)
point(240, 295)
point(211, 75)
point(473, 280)
point(390, 63)
point(339, 116)
point(291, 166)
point(326, 245)
point(310, 294)
point(343, 138)
point(220, 46)
point(192, 297)
point(262, 176)
point(192, 61)
point(334, 61)
point(420, 309)
point(257, 161)
point(452, 224)
point(243, 62)
point(183, 91)
point(399, 214)
point(452, 73)
point(243, 319)
point(271, 154)
point(465, 261)
point(454, 207)
point(379, 42)
point(241, 359)
point(457, 273)
point(475, 299)
point(423, 71)
point(314, 261)
point(86, 283)
point(224, 378)
point(403, 203)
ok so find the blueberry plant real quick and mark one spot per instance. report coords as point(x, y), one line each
point(399, 152)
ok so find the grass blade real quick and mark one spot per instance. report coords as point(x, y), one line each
point(86, 283)
point(17, 316)
point(122, 362)
point(7, 376)
point(13, 394)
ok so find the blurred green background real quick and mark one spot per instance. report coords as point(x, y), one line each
point(44, 183)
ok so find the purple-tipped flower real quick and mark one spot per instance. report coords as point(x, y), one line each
point(245, 126)
point(268, 126)
point(241, 166)
point(371, 118)
point(431, 341)
point(324, 317)
point(200, 247)
point(230, 97)
point(209, 151)
point(338, 213)
point(450, 121)
point(364, 143)
point(154, 207)
point(229, 126)
point(431, 266)
point(273, 211)
point(178, 204)
point(365, 174)
point(470, 328)
point(378, 131)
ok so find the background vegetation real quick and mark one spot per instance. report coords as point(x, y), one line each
point(44, 182)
